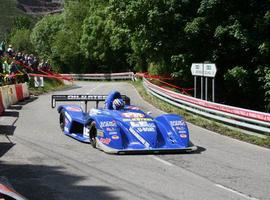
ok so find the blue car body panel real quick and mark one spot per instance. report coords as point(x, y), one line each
point(127, 130)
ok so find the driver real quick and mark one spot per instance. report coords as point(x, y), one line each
point(114, 101)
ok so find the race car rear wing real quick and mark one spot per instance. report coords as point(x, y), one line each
point(84, 98)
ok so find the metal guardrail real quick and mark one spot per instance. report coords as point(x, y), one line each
point(106, 76)
point(239, 117)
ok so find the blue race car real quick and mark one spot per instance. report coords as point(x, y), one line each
point(123, 130)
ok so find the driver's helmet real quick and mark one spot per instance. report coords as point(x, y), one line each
point(118, 104)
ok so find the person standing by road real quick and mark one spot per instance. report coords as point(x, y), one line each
point(6, 67)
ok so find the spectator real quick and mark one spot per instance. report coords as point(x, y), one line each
point(18, 56)
point(2, 48)
point(25, 60)
point(25, 76)
point(10, 50)
point(47, 66)
point(41, 65)
point(6, 67)
point(13, 68)
point(13, 71)
point(35, 64)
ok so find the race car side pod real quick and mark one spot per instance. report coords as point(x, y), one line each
point(84, 98)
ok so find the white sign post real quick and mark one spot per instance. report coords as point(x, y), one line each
point(197, 70)
point(204, 70)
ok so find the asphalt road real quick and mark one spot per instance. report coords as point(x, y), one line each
point(42, 163)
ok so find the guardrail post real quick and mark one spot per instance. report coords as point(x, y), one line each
point(195, 86)
point(201, 87)
point(206, 88)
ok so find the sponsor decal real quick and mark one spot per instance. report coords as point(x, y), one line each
point(183, 135)
point(100, 133)
point(140, 138)
point(94, 111)
point(142, 124)
point(132, 115)
point(112, 133)
point(146, 129)
point(74, 109)
point(179, 128)
point(133, 108)
point(107, 124)
point(115, 137)
point(136, 119)
point(110, 129)
point(177, 123)
point(182, 131)
point(85, 132)
point(105, 140)
point(86, 97)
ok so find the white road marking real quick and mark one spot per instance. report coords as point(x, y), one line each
point(162, 161)
point(235, 192)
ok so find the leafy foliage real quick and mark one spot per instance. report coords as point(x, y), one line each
point(164, 37)
point(20, 39)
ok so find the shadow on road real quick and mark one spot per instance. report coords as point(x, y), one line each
point(173, 152)
point(26, 101)
point(10, 114)
point(10, 128)
point(5, 147)
point(7, 129)
point(15, 107)
point(199, 150)
point(45, 182)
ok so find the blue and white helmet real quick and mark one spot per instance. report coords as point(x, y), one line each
point(118, 104)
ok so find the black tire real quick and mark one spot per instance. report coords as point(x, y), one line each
point(93, 134)
point(62, 120)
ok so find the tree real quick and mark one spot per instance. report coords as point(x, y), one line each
point(43, 34)
point(20, 39)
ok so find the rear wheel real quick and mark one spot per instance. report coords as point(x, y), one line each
point(62, 120)
point(93, 134)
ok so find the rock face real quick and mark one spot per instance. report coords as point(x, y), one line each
point(40, 6)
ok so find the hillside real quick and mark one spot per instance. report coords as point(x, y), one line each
point(10, 9)
point(40, 6)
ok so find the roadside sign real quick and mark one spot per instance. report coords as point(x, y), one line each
point(209, 70)
point(197, 69)
point(204, 70)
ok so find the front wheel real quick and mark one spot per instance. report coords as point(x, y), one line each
point(93, 134)
point(62, 120)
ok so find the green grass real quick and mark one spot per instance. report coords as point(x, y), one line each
point(200, 121)
point(8, 12)
point(49, 85)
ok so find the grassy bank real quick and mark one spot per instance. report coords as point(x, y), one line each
point(49, 85)
point(200, 121)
